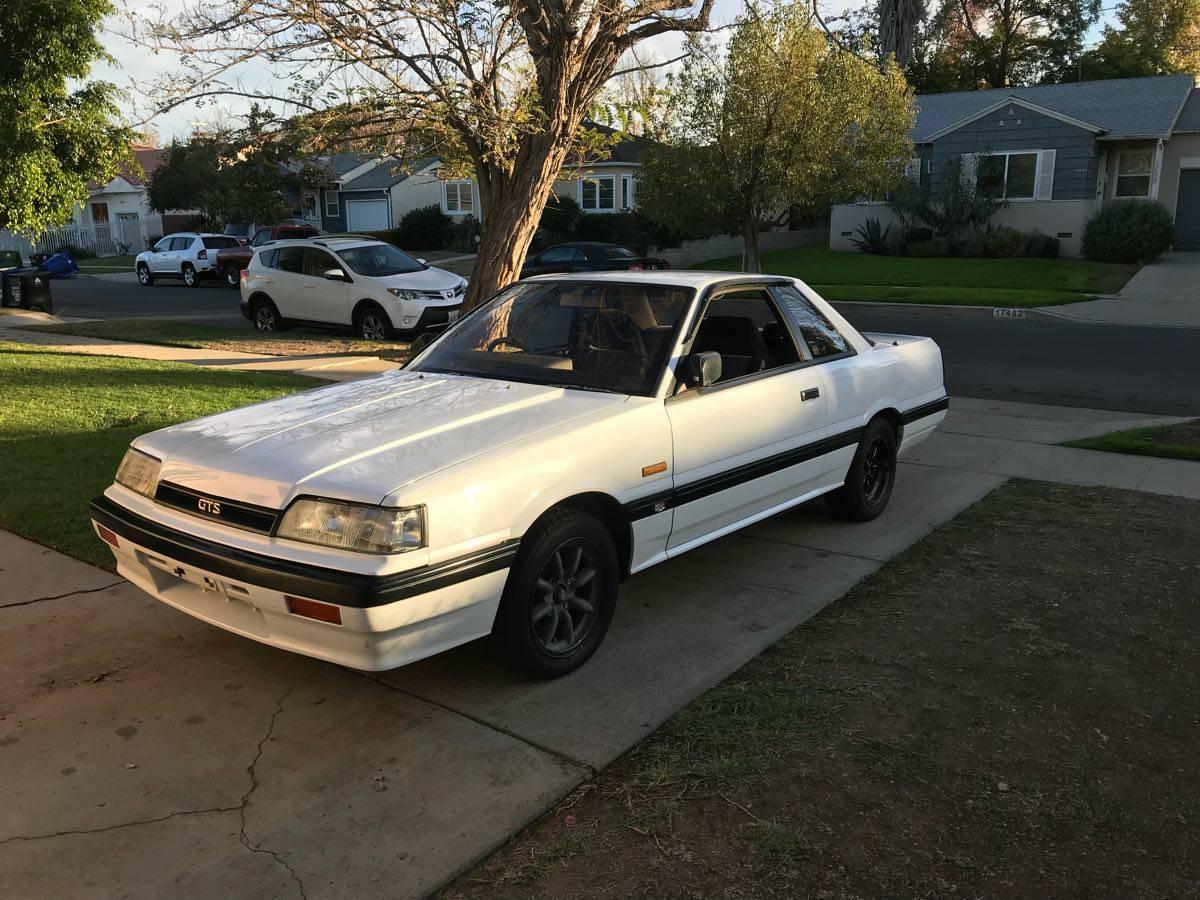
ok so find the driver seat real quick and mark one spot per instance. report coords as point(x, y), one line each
point(742, 349)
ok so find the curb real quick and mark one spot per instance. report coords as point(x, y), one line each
point(942, 310)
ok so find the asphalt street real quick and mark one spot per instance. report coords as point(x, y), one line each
point(1130, 369)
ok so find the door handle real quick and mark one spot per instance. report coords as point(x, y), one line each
point(810, 394)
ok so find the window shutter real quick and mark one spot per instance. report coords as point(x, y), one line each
point(970, 162)
point(1045, 178)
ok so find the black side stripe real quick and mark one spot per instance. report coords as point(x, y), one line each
point(697, 490)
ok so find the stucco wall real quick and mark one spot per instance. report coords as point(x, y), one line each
point(1053, 217)
point(1181, 152)
point(422, 189)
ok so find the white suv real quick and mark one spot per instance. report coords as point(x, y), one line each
point(374, 287)
point(188, 255)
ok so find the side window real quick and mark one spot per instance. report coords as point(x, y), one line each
point(162, 246)
point(260, 237)
point(819, 334)
point(290, 259)
point(181, 243)
point(318, 262)
point(559, 255)
point(269, 258)
point(746, 329)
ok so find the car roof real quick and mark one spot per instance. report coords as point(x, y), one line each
point(196, 234)
point(330, 243)
point(666, 278)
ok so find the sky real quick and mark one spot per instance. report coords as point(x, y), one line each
point(135, 67)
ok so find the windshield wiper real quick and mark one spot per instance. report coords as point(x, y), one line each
point(578, 387)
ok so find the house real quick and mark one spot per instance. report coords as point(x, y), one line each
point(1060, 151)
point(366, 194)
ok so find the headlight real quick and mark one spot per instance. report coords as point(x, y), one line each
point(353, 526)
point(139, 472)
point(405, 295)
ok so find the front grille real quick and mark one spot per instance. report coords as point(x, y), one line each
point(445, 296)
point(217, 509)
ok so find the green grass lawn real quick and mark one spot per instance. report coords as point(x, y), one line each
point(209, 337)
point(106, 264)
point(1180, 441)
point(66, 419)
point(950, 280)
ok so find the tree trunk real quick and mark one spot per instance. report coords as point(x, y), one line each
point(513, 206)
point(750, 259)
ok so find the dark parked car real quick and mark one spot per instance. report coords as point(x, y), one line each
point(231, 262)
point(589, 257)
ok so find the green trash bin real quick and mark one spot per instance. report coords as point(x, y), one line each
point(26, 289)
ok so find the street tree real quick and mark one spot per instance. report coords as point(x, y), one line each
point(497, 88)
point(1151, 37)
point(57, 131)
point(785, 118)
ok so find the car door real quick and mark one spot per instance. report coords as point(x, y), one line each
point(286, 283)
point(753, 441)
point(181, 249)
point(324, 300)
point(159, 254)
point(553, 260)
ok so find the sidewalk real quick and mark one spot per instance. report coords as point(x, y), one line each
point(324, 366)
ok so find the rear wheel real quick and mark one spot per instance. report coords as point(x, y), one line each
point(190, 278)
point(561, 594)
point(266, 317)
point(233, 276)
point(144, 275)
point(871, 477)
point(373, 324)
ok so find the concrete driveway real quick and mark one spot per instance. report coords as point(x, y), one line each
point(1163, 293)
point(147, 754)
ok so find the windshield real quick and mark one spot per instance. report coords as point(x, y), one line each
point(379, 260)
point(590, 335)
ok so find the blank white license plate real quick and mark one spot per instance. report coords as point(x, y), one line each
point(452, 316)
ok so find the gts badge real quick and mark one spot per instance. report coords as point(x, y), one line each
point(209, 507)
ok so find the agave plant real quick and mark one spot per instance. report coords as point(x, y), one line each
point(872, 237)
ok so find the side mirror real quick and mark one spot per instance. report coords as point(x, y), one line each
point(703, 369)
point(422, 262)
point(423, 340)
point(334, 275)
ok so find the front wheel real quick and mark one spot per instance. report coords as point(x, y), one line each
point(374, 325)
point(144, 276)
point(871, 477)
point(561, 594)
point(190, 278)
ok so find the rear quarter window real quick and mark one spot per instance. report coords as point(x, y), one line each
point(220, 243)
point(822, 338)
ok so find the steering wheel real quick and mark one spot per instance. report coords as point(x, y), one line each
point(507, 339)
point(621, 326)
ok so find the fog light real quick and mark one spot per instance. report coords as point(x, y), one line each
point(314, 609)
point(408, 321)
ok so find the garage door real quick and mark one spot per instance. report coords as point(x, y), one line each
point(367, 215)
point(1187, 211)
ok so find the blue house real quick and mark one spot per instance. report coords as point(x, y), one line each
point(1060, 151)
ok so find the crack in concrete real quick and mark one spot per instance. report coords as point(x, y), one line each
point(251, 770)
point(63, 596)
point(171, 815)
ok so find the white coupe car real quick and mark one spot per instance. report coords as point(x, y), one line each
point(570, 432)
point(374, 287)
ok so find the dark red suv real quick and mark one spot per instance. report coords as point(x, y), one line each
point(231, 262)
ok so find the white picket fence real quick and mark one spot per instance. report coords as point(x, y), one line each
point(115, 238)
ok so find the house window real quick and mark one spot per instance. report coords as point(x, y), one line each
point(1133, 173)
point(333, 204)
point(100, 213)
point(460, 198)
point(598, 193)
point(626, 192)
point(1010, 176)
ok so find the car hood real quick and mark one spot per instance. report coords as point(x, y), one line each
point(360, 440)
point(431, 279)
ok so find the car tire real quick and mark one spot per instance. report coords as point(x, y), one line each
point(871, 477)
point(371, 323)
point(551, 621)
point(144, 276)
point(265, 317)
point(233, 276)
point(190, 278)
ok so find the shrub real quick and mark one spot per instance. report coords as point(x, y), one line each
point(1038, 244)
point(917, 235)
point(872, 237)
point(464, 235)
point(77, 252)
point(427, 228)
point(926, 249)
point(1003, 242)
point(1128, 231)
point(559, 222)
point(632, 229)
point(955, 206)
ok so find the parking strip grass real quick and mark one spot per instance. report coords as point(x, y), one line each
point(948, 280)
point(1181, 441)
point(106, 264)
point(66, 419)
point(185, 334)
point(1004, 710)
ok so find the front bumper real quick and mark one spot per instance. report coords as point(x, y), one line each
point(386, 620)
